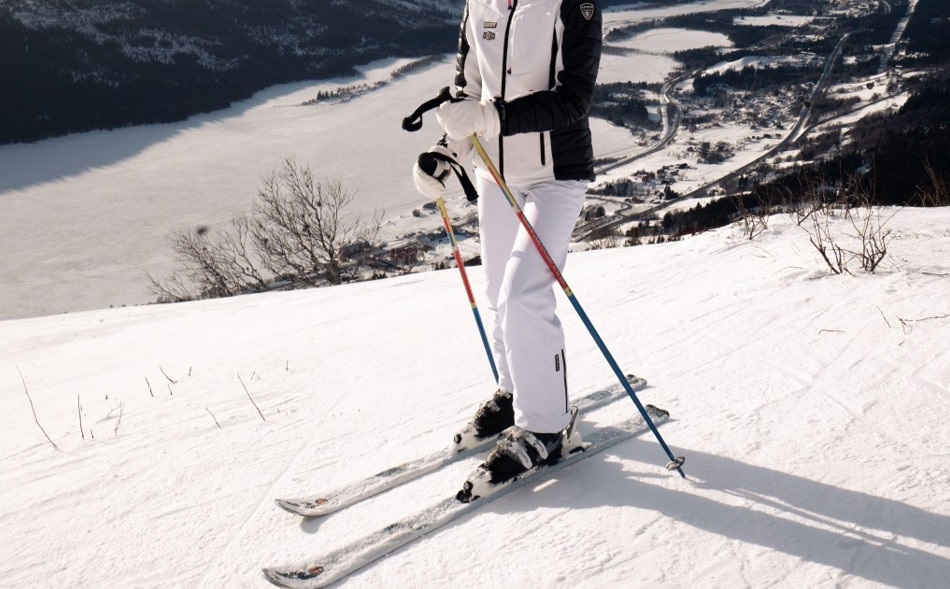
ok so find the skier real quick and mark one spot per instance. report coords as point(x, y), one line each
point(525, 76)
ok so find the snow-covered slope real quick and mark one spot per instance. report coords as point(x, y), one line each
point(812, 411)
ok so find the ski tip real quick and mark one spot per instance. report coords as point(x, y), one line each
point(292, 578)
point(305, 507)
point(269, 576)
point(287, 506)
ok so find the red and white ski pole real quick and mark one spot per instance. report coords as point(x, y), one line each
point(468, 288)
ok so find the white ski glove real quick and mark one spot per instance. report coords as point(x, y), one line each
point(468, 117)
point(432, 184)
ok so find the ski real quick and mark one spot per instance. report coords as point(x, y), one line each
point(336, 565)
point(333, 501)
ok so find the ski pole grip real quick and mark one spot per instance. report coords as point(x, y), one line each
point(427, 163)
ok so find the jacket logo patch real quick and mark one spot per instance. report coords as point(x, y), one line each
point(490, 25)
point(488, 35)
point(587, 10)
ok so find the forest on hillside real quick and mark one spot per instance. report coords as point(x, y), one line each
point(83, 66)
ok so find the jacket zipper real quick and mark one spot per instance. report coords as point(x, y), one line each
point(543, 155)
point(512, 5)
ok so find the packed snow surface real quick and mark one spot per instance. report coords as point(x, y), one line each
point(812, 410)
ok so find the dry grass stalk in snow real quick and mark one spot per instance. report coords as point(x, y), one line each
point(33, 409)
point(79, 407)
point(250, 398)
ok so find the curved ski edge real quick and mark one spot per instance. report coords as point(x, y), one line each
point(357, 491)
point(356, 556)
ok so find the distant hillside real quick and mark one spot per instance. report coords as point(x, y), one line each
point(77, 65)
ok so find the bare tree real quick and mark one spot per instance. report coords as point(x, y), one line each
point(297, 233)
point(302, 229)
point(212, 264)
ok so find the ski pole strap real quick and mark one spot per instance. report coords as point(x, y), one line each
point(428, 161)
point(413, 122)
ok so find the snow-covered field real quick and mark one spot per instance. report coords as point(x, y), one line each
point(652, 69)
point(774, 20)
point(669, 40)
point(632, 13)
point(812, 411)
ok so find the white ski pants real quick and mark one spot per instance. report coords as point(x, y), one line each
point(526, 335)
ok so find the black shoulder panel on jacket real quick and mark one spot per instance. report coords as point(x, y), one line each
point(570, 100)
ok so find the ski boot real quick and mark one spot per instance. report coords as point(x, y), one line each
point(518, 452)
point(493, 417)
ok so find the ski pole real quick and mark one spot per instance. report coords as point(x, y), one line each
point(468, 288)
point(675, 462)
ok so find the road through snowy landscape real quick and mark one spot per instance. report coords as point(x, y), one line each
point(144, 445)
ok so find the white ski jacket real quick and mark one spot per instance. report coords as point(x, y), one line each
point(538, 60)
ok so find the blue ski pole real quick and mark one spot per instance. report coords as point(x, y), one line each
point(675, 462)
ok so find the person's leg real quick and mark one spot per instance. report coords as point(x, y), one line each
point(533, 337)
point(497, 226)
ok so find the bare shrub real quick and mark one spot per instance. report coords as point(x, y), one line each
point(826, 241)
point(816, 197)
point(753, 220)
point(938, 193)
point(302, 228)
point(870, 235)
point(605, 242)
point(869, 226)
point(604, 238)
